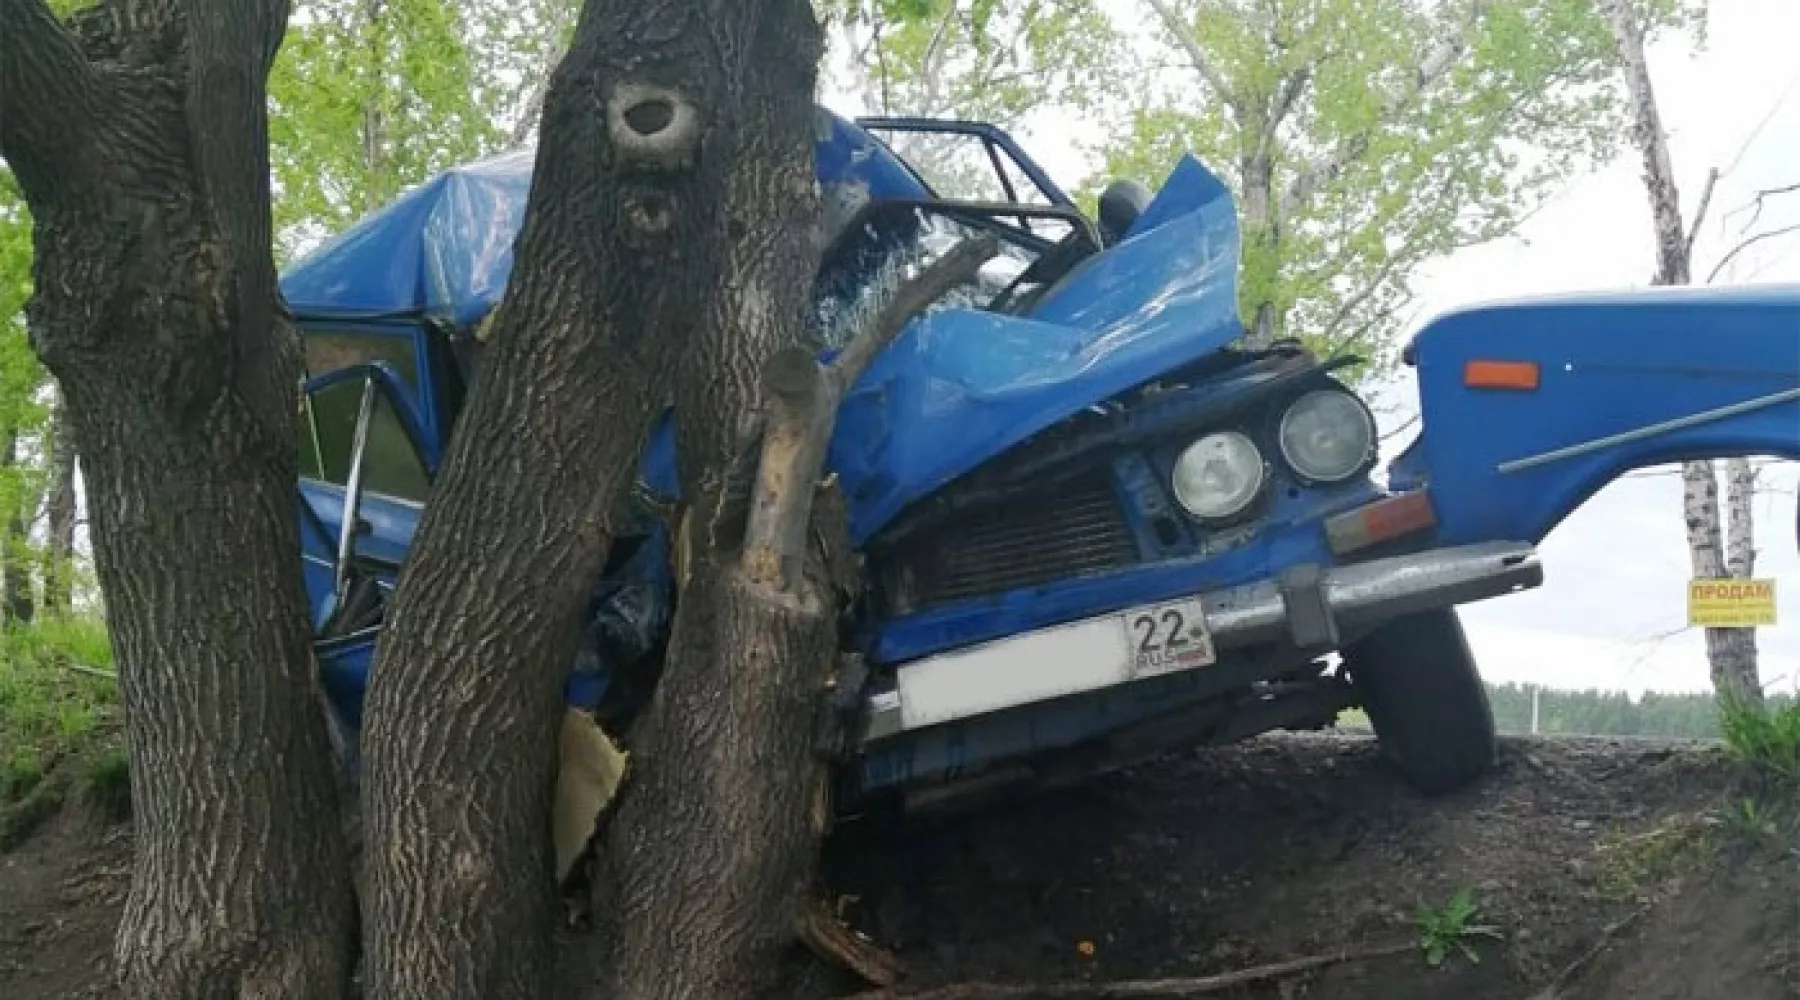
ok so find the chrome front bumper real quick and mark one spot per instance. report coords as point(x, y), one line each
point(1307, 608)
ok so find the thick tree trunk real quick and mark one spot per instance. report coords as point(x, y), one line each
point(1731, 653)
point(17, 603)
point(725, 787)
point(142, 151)
point(59, 550)
point(620, 260)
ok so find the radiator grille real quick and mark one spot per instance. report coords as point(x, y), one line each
point(1068, 531)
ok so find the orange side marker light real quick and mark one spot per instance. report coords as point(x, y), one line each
point(1519, 375)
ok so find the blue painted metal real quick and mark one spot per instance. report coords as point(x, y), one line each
point(444, 250)
point(1610, 364)
point(1290, 534)
point(961, 385)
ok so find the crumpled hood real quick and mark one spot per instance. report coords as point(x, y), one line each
point(961, 386)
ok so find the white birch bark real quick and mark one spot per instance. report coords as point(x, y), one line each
point(1731, 653)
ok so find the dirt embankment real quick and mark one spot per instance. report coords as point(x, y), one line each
point(1607, 869)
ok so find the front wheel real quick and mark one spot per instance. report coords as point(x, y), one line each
point(1425, 699)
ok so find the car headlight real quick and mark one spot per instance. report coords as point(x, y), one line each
point(1218, 476)
point(1327, 436)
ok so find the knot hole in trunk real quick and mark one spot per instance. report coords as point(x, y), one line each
point(652, 128)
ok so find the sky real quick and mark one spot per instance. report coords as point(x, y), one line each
point(1612, 611)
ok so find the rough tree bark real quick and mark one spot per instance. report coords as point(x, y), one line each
point(621, 260)
point(728, 793)
point(722, 793)
point(140, 141)
point(59, 552)
point(1731, 652)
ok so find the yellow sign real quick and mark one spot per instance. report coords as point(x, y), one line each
point(1731, 603)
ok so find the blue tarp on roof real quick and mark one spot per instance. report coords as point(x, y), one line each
point(445, 248)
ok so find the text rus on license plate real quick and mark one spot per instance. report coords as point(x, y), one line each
point(1164, 638)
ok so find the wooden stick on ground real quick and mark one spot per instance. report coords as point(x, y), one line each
point(1145, 989)
point(1554, 991)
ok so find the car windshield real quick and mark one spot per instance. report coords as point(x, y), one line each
point(894, 242)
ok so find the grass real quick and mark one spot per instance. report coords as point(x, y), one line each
point(59, 727)
point(1453, 926)
point(1766, 743)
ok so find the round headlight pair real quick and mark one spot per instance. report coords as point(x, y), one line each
point(1326, 436)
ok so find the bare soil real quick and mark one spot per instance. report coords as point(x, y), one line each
point(1611, 869)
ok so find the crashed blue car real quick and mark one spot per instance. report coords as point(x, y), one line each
point(1095, 525)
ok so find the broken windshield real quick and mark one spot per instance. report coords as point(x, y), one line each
point(896, 240)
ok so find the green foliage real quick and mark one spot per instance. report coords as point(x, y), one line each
point(49, 711)
point(1766, 742)
point(989, 60)
point(369, 97)
point(1509, 107)
point(1613, 713)
point(1440, 930)
point(56, 724)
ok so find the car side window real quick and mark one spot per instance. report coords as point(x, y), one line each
point(392, 465)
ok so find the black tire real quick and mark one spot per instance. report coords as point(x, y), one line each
point(1425, 700)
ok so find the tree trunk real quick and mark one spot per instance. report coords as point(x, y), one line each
point(725, 787)
point(1731, 653)
point(1261, 239)
point(142, 152)
point(15, 577)
point(620, 261)
point(59, 550)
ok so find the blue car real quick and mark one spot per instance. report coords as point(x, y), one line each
point(1095, 524)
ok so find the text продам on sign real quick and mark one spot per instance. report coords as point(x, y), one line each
point(1731, 603)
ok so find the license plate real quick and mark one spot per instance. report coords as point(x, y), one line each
point(1164, 638)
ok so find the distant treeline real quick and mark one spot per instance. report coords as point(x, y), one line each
point(1611, 713)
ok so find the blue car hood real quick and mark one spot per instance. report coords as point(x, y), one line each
point(961, 386)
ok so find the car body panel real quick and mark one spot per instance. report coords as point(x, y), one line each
point(1626, 380)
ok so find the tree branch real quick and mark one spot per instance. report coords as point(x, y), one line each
point(1706, 194)
point(1433, 68)
point(1756, 204)
point(46, 94)
point(1146, 988)
point(1196, 55)
point(802, 409)
point(1747, 244)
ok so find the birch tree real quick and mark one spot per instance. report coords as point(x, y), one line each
point(1721, 543)
point(1365, 137)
